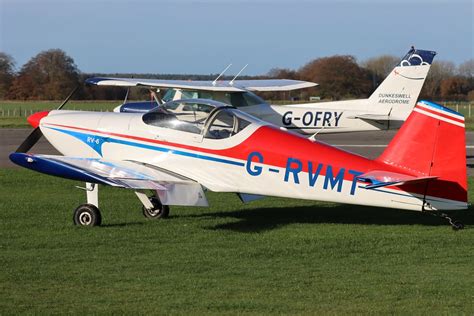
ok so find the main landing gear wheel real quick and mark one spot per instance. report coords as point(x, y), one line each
point(158, 211)
point(87, 215)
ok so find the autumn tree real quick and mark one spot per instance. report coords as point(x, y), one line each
point(439, 71)
point(7, 73)
point(454, 88)
point(338, 77)
point(466, 69)
point(380, 67)
point(50, 75)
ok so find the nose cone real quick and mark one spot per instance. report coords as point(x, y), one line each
point(35, 119)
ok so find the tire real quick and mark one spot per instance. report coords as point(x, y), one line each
point(159, 210)
point(458, 226)
point(87, 215)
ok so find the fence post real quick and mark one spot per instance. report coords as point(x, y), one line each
point(457, 107)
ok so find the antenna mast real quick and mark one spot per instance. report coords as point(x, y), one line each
point(220, 75)
point(232, 81)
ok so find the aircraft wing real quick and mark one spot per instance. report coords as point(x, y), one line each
point(172, 189)
point(376, 179)
point(223, 86)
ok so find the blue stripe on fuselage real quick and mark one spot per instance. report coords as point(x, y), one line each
point(107, 139)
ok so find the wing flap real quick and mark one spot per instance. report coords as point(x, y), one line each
point(376, 179)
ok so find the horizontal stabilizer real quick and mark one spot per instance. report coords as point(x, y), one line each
point(371, 117)
point(245, 198)
point(376, 179)
point(223, 86)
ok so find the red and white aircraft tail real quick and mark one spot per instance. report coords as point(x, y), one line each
point(431, 147)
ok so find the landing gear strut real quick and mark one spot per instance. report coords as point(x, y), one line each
point(152, 207)
point(88, 214)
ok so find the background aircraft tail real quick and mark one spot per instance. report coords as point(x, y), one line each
point(431, 144)
point(399, 91)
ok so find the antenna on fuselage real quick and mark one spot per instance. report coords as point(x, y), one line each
point(313, 137)
point(233, 79)
point(220, 75)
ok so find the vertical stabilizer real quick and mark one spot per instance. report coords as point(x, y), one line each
point(432, 143)
point(398, 93)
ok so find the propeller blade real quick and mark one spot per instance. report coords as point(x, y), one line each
point(67, 99)
point(30, 141)
point(36, 134)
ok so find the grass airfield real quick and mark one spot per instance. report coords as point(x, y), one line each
point(274, 256)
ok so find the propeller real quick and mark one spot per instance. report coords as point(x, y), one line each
point(36, 134)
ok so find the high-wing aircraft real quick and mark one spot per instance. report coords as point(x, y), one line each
point(184, 148)
point(387, 108)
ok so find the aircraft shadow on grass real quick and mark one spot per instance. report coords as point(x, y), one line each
point(263, 219)
point(113, 225)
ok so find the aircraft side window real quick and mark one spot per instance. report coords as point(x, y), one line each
point(237, 99)
point(225, 124)
point(252, 99)
point(169, 95)
point(186, 94)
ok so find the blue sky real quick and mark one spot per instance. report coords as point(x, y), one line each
point(184, 36)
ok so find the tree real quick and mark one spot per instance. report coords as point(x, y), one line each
point(380, 67)
point(7, 73)
point(439, 70)
point(466, 69)
point(338, 77)
point(282, 73)
point(50, 75)
point(454, 88)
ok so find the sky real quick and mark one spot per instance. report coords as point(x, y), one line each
point(204, 36)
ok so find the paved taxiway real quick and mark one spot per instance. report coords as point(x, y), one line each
point(368, 144)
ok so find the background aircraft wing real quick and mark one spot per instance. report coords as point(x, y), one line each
point(224, 85)
point(172, 188)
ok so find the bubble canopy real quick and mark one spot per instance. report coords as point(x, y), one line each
point(213, 119)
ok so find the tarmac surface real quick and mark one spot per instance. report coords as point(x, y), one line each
point(368, 144)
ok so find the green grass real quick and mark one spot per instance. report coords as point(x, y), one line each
point(274, 256)
point(13, 114)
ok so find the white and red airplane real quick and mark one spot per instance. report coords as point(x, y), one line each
point(387, 107)
point(184, 148)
